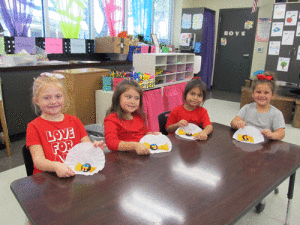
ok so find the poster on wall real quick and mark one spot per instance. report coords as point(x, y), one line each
point(291, 18)
point(274, 47)
point(283, 64)
point(277, 28)
point(186, 21)
point(263, 30)
point(279, 11)
point(197, 21)
point(288, 37)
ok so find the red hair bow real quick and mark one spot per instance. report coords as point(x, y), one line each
point(266, 77)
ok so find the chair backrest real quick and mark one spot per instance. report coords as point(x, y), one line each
point(27, 160)
point(162, 120)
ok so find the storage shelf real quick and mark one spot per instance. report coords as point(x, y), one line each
point(181, 66)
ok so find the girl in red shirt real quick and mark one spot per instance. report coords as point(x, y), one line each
point(50, 136)
point(191, 111)
point(125, 121)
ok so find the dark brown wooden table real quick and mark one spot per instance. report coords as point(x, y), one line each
point(209, 182)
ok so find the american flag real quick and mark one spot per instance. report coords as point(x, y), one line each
point(254, 8)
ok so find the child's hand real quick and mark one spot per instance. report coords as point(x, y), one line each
point(202, 136)
point(63, 170)
point(182, 123)
point(269, 134)
point(99, 144)
point(240, 124)
point(141, 149)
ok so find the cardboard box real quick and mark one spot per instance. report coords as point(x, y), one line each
point(112, 45)
point(81, 85)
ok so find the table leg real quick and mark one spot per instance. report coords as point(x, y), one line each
point(290, 197)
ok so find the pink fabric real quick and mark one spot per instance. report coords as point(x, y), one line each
point(153, 106)
point(173, 96)
point(114, 13)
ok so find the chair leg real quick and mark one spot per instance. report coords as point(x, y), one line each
point(260, 207)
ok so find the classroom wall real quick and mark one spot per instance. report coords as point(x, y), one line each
point(265, 11)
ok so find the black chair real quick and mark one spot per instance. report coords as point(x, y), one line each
point(162, 120)
point(27, 160)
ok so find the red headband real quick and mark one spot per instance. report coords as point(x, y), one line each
point(266, 77)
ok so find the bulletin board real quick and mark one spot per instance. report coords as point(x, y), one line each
point(192, 20)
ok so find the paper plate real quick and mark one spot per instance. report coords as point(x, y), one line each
point(246, 146)
point(86, 157)
point(190, 128)
point(249, 135)
point(157, 140)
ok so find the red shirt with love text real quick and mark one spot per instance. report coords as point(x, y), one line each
point(56, 138)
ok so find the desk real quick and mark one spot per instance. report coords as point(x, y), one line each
point(211, 182)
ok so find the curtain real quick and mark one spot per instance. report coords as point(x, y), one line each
point(207, 47)
point(153, 106)
point(71, 13)
point(142, 17)
point(114, 14)
point(16, 16)
point(173, 95)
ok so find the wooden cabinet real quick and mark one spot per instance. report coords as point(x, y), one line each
point(81, 85)
point(174, 67)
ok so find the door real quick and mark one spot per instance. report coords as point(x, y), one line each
point(235, 43)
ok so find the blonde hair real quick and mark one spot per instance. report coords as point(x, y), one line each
point(271, 83)
point(43, 81)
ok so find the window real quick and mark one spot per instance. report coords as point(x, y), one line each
point(163, 20)
point(157, 12)
point(87, 19)
point(68, 19)
point(27, 23)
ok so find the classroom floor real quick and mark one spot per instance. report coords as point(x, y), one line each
point(222, 107)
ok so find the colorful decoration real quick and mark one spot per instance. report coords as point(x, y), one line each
point(123, 34)
point(182, 132)
point(155, 147)
point(245, 137)
point(86, 167)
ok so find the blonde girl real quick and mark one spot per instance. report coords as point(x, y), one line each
point(261, 114)
point(52, 134)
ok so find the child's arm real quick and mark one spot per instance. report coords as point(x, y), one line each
point(39, 160)
point(99, 144)
point(203, 135)
point(237, 123)
point(276, 135)
point(136, 146)
point(174, 127)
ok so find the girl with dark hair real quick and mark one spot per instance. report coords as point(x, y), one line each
point(191, 111)
point(125, 120)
